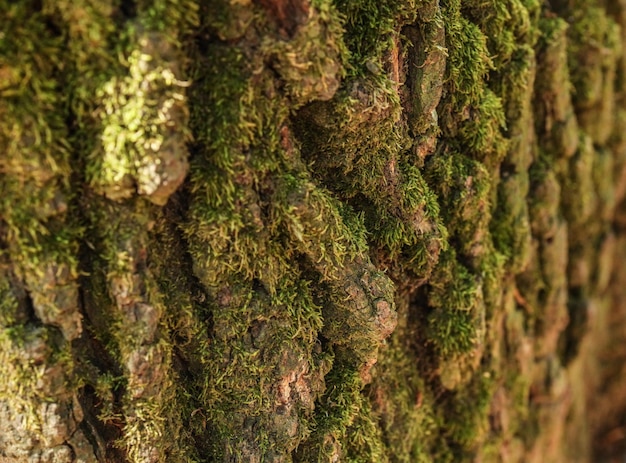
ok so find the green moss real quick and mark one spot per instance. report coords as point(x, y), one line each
point(171, 17)
point(451, 331)
point(556, 124)
point(464, 189)
point(49, 157)
point(505, 24)
point(260, 312)
point(89, 35)
point(468, 56)
point(127, 311)
point(37, 368)
point(257, 225)
point(360, 314)
point(506, 108)
point(370, 27)
point(371, 172)
point(427, 55)
point(226, 19)
point(336, 413)
point(468, 419)
point(186, 320)
point(142, 144)
point(591, 30)
point(478, 132)
point(41, 238)
point(603, 168)
point(313, 218)
point(311, 64)
point(405, 406)
point(10, 313)
point(455, 293)
point(511, 227)
point(336, 171)
point(364, 161)
point(227, 213)
point(253, 347)
point(578, 177)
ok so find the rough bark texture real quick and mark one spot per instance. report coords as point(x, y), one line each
point(312, 230)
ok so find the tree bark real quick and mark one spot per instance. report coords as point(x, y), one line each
point(312, 230)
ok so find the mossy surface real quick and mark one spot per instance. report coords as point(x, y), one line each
point(293, 231)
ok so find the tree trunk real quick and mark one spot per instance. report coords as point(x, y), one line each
point(312, 231)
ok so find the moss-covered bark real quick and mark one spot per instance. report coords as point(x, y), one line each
point(312, 230)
